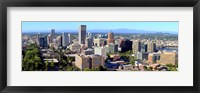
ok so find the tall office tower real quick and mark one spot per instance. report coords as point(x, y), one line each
point(136, 46)
point(126, 45)
point(144, 48)
point(49, 39)
point(89, 42)
point(59, 40)
point(111, 38)
point(70, 38)
point(65, 39)
point(151, 46)
point(38, 39)
point(43, 42)
point(82, 34)
point(52, 34)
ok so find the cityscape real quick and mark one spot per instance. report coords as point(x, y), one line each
point(112, 46)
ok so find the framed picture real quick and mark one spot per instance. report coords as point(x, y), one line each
point(85, 46)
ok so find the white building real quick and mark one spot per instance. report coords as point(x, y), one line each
point(101, 51)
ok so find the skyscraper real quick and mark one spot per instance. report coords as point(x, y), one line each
point(38, 39)
point(110, 38)
point(136, 46)
point(89, 42)
point(125, 45)
point(70, 38)
point(43, 42)
point(52, 34)
point(151, 46)
point(82, 34)
point(59, 40)
point(65, 39)
point(49, 40)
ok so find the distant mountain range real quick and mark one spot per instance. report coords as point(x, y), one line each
point(121, 30)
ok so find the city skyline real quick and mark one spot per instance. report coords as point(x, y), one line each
point(99, 51)
point(129, 27)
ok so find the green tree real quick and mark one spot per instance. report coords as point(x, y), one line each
point(69, 68)
point(46, 65)
point(64, 62)
point(86, 69)
point(51, 64)
point(132, 61)
point(31, 60)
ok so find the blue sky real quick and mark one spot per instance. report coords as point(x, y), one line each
point(73, 26)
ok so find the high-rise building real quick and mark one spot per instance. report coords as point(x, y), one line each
point(139, 55)
point(70, 38)
point(111, 38)
point(49, 39)
point(136, 46)
point(111, 48)
point(89, 42)
point(98, 42)
point(144, 48)
point(43, 42)
point(65, 39)
point(59, 40)
point(38, 39)
point(82, 34)
point(100, 51)
point(53, 32)
point(52, 35)
point(125, 45)
point(151, 46)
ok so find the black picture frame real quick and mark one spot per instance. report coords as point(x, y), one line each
point(99, 3)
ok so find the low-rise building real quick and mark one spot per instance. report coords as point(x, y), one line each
point(153, 57)
point(88, 52)
point(89, 61)
point(168, 58)
point(75, 47)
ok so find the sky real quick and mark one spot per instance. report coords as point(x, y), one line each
point(33, 26)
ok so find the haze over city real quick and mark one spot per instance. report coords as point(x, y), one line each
point(116, 27)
